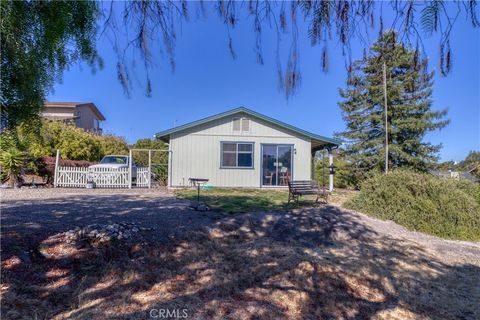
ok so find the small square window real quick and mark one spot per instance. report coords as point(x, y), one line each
point(229, 159)
point(245, 147)
point(244, 160)
point(230, 147)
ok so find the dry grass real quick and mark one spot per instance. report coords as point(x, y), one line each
point(306, 264)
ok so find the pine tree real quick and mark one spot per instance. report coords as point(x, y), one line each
point(410, 118)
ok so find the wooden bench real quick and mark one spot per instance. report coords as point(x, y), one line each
point(305, 187)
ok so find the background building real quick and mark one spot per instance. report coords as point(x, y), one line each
point(83, 115)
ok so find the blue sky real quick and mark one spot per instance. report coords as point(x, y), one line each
point(208, 81)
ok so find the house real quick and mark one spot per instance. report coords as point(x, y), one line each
point(83, 115)
point(458, 175)
point(242, 148)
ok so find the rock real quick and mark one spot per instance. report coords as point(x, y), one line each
point(202, 207)
point(99, 233)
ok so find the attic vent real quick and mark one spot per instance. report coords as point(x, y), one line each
point(245, 124)
point(236, 124)
point(241, 124)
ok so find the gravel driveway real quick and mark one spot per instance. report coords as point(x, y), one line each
point(31, 215)
point(449, 250)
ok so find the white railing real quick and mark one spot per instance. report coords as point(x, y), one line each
point(73, 177)
point(77, 177)
point(143, 177)
point(108, 177)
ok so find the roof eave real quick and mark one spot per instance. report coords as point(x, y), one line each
point(328, 141)
point(95, 110)
point(91, 105)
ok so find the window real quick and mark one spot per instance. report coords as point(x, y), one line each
point(237, 155)
point(114, 160)
point(241, 124)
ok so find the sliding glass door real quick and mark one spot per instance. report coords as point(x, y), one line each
point(277, 164)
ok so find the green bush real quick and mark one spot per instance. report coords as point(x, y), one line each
point(74, 143)
point(159, 159)
point(442, 207)
point(12, 162)
point(343, 177)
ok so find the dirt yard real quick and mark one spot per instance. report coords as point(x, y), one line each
point(306, 263)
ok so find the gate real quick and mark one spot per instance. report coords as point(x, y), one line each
point(70, 177)
point(143, 177)
point(76, 177)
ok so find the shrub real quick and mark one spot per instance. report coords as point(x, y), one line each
point(159, 158)
point(443, 207)
point(111, 144)
point(74, 143)
point(343, 173)
point(12, 163)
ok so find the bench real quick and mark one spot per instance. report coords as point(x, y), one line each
point(305, 187)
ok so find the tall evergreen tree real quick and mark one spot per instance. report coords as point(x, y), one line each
point(410, 118)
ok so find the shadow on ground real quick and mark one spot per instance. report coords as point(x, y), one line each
point(26, 222)
point(318, 263)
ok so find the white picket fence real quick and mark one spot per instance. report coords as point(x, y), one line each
point(108, 177)
point(71, 177)
point(77, 177)
point(143, 177)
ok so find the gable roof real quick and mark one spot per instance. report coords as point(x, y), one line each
point(165, 135)
point(90, 105)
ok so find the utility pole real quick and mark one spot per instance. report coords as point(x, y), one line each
point(386, 114)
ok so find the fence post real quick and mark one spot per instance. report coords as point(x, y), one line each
point(330, 164)
point(149, 169)
point(130, 160)
point(55, 174)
